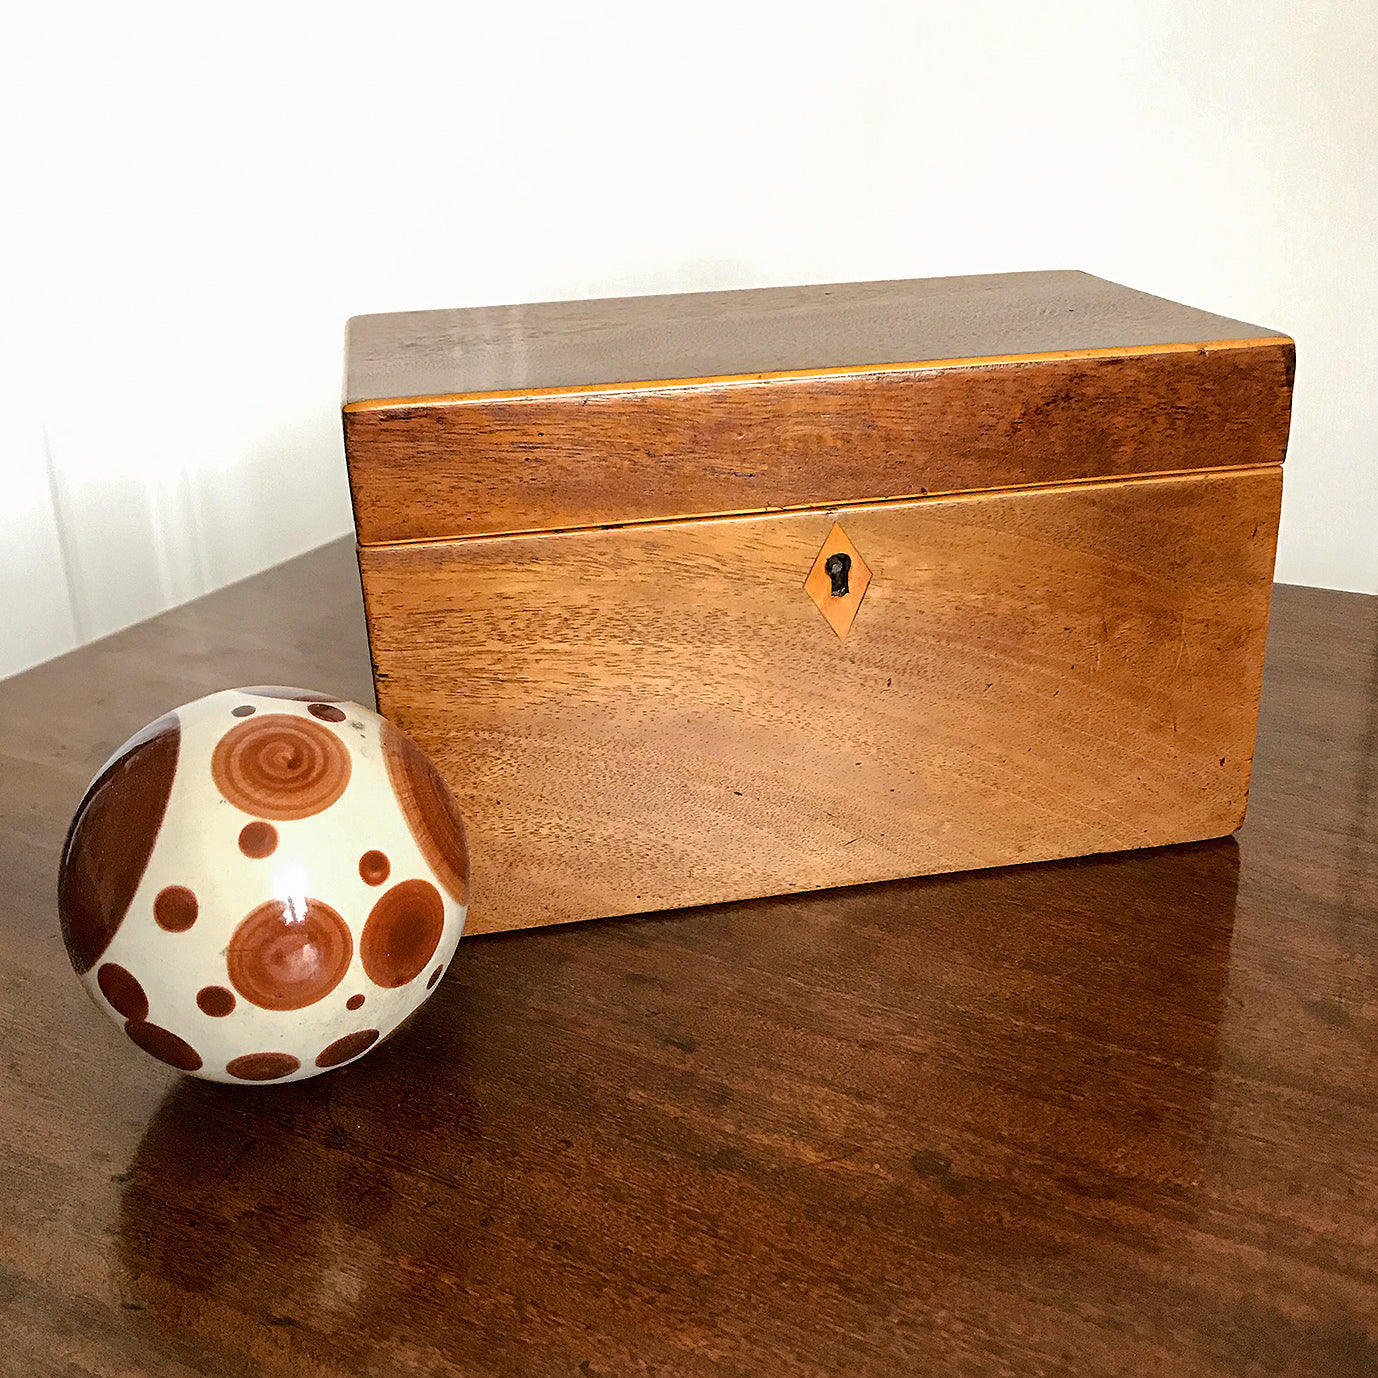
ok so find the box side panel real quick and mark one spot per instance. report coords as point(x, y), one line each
point(652, 717)
point(568, 461)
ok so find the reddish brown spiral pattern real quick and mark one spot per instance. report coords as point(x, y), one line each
point(280, 766)
point(430, 811)
point(285, 957)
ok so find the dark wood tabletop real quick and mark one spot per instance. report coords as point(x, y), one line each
point(1108, 1116)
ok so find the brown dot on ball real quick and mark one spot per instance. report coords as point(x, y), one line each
point(111, 839)
point(435, 976)
point(258, 839)
point(342, 1049)
point(245, 710)
point(164, 1045)
point(262, 1066)
point(215, 1001)
point(326, 712)
point(280, 766)
point(354, 1002)
point(285, 956)
point(175, 908)
point(122, 989)
point(402, 933)
point(430, 811)
point(374, 868)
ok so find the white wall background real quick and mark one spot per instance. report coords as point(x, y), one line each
point(197, 195)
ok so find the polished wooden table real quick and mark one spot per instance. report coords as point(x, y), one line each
point(1111, 1116)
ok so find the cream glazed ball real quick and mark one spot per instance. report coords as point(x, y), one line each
point(263, 884)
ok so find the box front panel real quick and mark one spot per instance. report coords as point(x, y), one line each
point(663, 715)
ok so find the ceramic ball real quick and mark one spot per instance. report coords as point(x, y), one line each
point(263, 884)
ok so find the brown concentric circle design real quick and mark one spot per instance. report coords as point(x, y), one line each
point(430, 811)
point(164, 1045)
point(280, 766)
point(122, 989)
point(287, 956)
point(402, 933)
point(262, 1066)
point(111, 839)
point(258, 839)
point(342, 1049)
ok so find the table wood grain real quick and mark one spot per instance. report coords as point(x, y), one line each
point(1108, 1116)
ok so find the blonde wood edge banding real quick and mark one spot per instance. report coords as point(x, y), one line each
point(1054, 486)
point(790, 375)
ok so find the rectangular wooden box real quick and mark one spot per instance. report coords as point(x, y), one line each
point(593, 539)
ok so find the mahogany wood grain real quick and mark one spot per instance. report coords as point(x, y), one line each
point(654, 716)
point(1115, 1116)
point(574, 344)
point(541, 462)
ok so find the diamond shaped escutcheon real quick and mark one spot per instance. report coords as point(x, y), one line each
point(837, 588)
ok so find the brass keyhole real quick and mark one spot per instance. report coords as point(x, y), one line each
point(837, 567)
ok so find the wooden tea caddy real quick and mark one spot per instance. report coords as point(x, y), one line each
point(702, 597)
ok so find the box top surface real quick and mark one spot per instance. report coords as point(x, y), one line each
point(578, 345)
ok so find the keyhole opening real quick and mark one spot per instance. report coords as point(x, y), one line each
point(837, 567)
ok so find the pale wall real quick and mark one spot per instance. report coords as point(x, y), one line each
point(198, 195)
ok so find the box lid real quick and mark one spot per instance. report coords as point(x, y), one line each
point(568, 414)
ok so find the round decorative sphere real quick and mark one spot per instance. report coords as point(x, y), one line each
point(263, 884)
